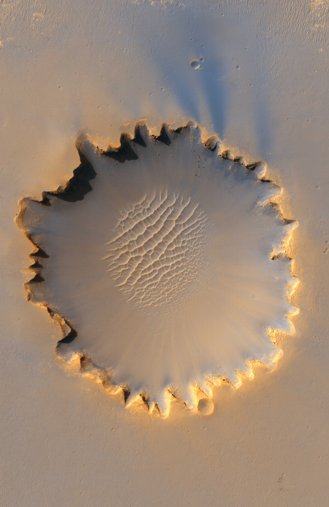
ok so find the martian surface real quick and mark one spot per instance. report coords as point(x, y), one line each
point(164, 253)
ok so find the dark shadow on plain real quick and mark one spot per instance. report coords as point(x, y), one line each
point(262, 103)
point(192, 35)
point(191, 58)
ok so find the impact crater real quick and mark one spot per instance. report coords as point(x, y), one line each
point(165, 262)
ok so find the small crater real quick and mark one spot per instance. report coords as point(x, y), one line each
point(196, 63)
point(205, 406)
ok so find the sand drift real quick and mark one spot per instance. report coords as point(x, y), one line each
point(165, 264)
